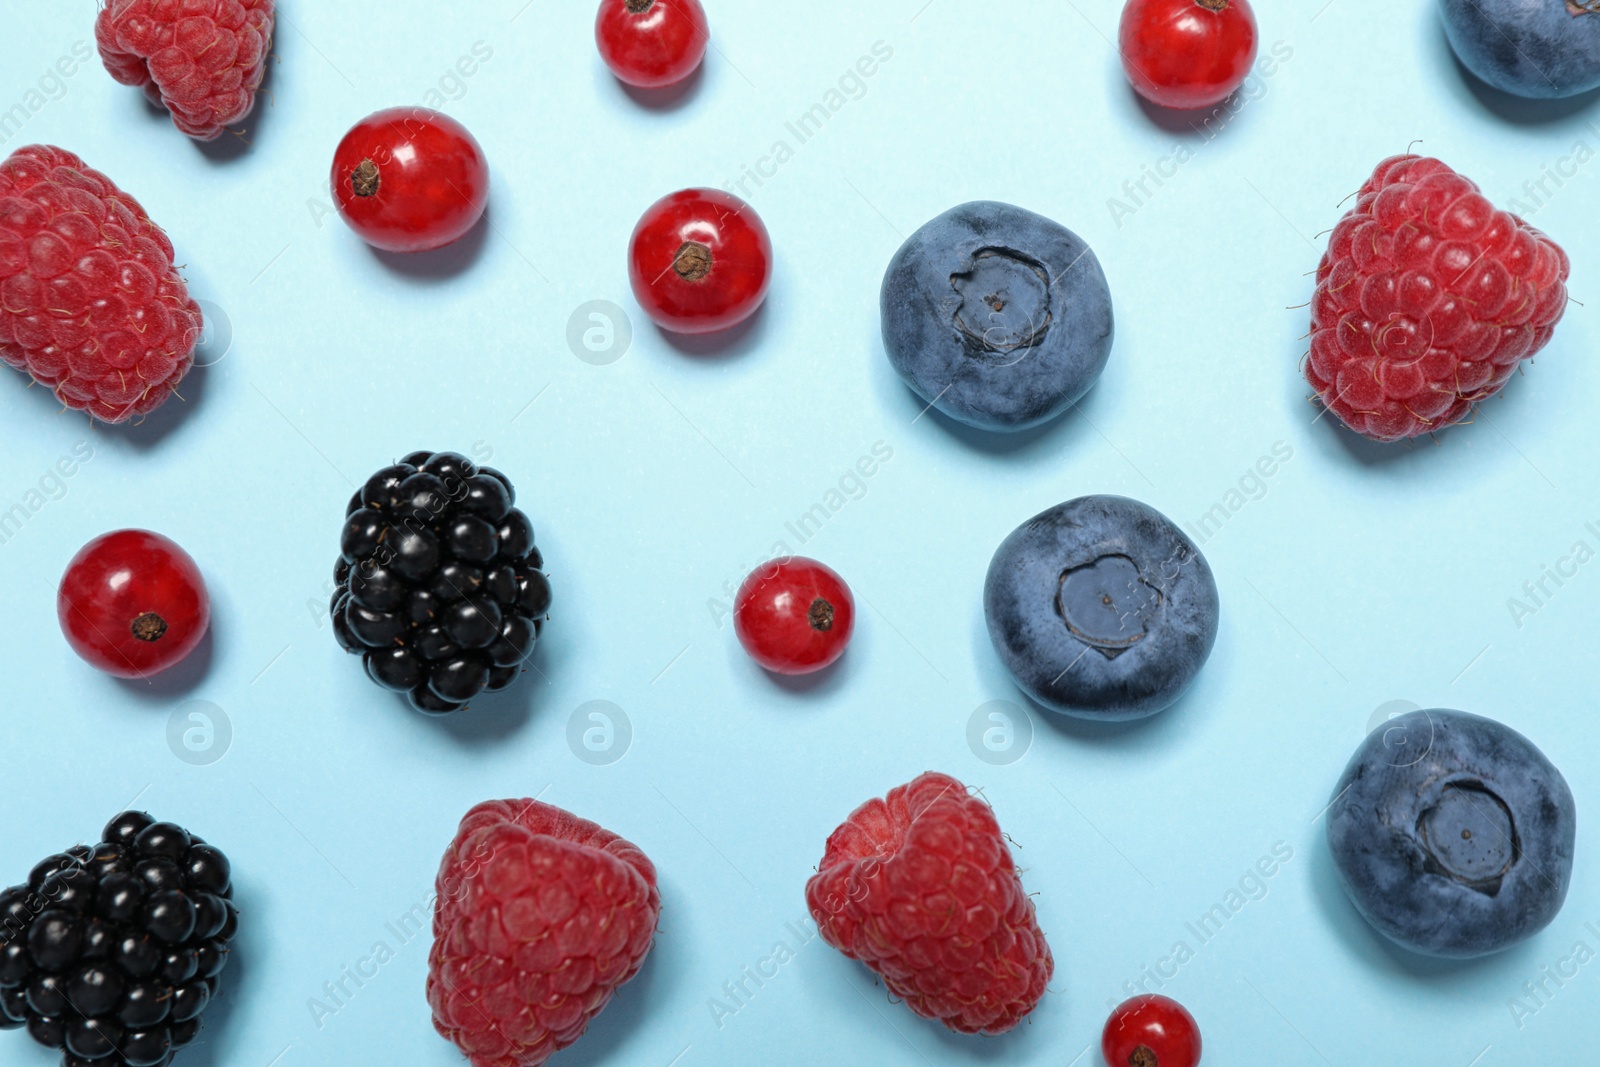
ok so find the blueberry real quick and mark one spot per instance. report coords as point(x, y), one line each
point(1452, 834)
point(1533, 48)
point(1101, 608)
point(998, 317)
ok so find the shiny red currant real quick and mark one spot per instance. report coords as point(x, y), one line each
point(651, 44)
point(700, 261)
point(794, 615)
point(132, 603)
point(1151, 1031)
point(410, 180)
point(1187, 54)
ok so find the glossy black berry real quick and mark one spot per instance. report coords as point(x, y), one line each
point(54, 939)
point(162, 840)
point(94, 990)
point(206, 868)
point(425, 700)
point(170, 916)
point(473, 623)
point(439, 583)
point(486, 497)
point(111, 952)
point(146, 1048)
point(379, 492)
point(51, 1033)
point(399, 669)
point(145, 1004)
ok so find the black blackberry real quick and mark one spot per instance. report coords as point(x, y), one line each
point(439, 583)
point(111, 952)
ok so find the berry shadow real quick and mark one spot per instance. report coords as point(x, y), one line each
point(816, 686)
point(179, 680)
point(491, 719)
point(1508, 107)
point(732, 343)
point(213, 1048)
point(1068, 430)
point(1179, 123)
point(668, 99)
point(603, 1042)
point(453, 259)
point(1332, 436)
point(1475, 977)
point(240, 140)
point(151, 431)
point(1166, 730)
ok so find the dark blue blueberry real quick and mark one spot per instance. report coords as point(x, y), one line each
point(1101, 608)
point(1452, 834)
point(1533, 48)
point(997, 317)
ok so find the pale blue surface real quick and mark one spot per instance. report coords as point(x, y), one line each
point(1363, 575)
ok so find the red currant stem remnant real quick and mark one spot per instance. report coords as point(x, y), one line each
point(693, 261)
point(1144, 1056)
point(821, 615)
point(149, 627)
point(1211, 5)
point(639, 7)
point(364, 181)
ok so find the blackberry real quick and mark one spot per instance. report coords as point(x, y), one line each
point(439, 587)
point(111, 952)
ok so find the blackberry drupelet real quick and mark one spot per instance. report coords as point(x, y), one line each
point(111, 952)
point(439, 583)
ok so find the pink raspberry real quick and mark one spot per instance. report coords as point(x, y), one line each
point(920, 887)
point(90, 302)
point(202, 60)
point(1427, 301)
point(540, 917)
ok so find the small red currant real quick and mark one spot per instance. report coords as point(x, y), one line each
point(1187, 54)
point(700, 261)
point(651, 44)
point(794, 615)
point(410, 180)
point(132, 603)
point(1151, 1031)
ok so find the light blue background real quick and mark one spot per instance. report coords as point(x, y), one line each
point(1363, 575)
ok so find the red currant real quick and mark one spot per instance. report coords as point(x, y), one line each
point(1151, 1031)
point(794, 615)
point(132, 603)
point(1187, 53)
point(410, 180)
point(652, 44)
point(700, 261)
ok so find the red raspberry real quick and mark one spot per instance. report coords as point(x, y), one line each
point(202, 60)
point(921, 888)
point(1427, 299)
point(540, 917)
point(90, 302)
